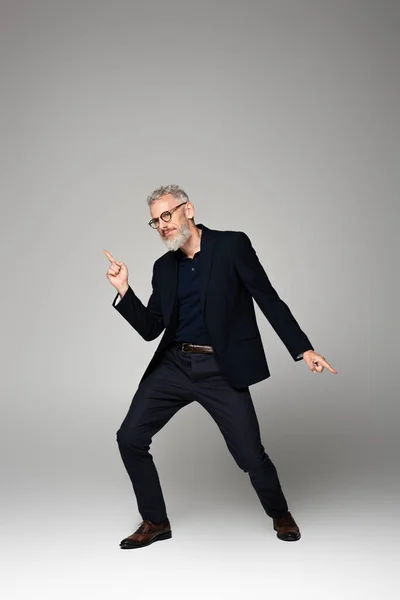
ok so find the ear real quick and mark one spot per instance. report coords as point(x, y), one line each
point(191, 209)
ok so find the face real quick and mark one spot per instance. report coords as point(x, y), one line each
point(175, 232)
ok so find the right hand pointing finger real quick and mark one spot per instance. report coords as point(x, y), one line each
point(112, 259)
point(109, 256)
point(117, 273)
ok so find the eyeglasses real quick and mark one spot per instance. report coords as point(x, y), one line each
point(165, 216)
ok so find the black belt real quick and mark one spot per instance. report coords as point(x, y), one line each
point(201, 349)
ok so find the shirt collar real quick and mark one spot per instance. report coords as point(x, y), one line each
point(182, 256)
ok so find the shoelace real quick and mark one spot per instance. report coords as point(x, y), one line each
point(143, 527)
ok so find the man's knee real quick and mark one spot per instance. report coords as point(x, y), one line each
point(132, 437)
point(253, 462)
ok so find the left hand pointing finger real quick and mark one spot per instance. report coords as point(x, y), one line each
point(321, 363)
point(316, 363)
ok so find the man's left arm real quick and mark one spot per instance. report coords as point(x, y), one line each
point(254, 277)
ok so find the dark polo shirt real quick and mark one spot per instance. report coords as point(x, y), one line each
point(191, 327)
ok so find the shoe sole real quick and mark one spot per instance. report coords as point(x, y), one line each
point(288, 539)
point(157, 538)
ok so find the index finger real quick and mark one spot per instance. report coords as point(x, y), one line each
point(327, 365)
point(109, 256)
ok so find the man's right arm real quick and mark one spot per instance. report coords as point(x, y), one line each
point(146, 320)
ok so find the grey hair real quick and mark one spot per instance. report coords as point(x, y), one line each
point(172, 189)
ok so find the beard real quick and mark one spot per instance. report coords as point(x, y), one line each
point(179, 238)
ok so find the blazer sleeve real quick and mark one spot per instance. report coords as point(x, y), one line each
point(146, 320)
point(255, 279)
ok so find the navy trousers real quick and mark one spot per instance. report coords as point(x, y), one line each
point(179, 379)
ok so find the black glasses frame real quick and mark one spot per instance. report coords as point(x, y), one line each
point(165, 216)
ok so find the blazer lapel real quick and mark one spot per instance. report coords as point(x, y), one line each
point(206, 258)
point(169, 288)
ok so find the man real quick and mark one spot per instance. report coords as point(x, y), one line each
point(211, 351)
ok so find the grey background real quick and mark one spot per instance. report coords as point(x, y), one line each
point(280, 119)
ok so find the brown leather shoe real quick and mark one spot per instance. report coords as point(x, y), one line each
point(286, 528)
point(147, 533)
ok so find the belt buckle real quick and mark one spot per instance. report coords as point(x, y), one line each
point(184, 347)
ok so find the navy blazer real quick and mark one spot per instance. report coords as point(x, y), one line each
point(231, 276)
